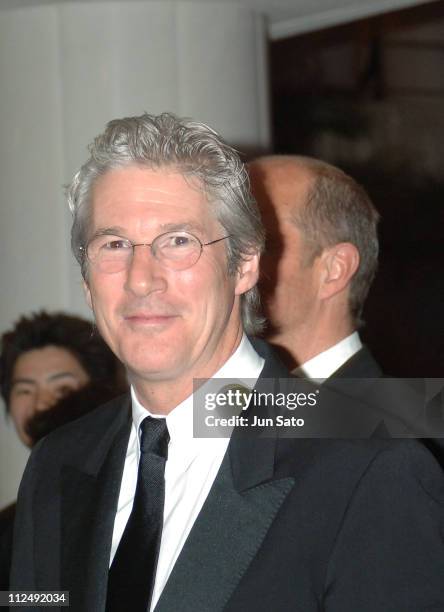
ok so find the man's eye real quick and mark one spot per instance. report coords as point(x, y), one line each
point(64, 390)
point(116, 245)
point(22, 391)
point(179, 241)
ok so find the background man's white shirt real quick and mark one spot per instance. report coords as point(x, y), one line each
point(326, 363)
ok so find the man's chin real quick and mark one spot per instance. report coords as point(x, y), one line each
point(152, 363)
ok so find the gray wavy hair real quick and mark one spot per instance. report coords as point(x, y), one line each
point(195, 150)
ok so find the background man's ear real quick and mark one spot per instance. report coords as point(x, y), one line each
point(339, 264)
point(248, 274)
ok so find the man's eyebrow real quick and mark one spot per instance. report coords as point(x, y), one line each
point(26, 381)
point(108, 231)
point(59, 375)
point(51, 378)
point(186, 226)
point(164, 227)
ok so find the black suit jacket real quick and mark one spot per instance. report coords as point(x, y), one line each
point(7, 516)
point(303, 525)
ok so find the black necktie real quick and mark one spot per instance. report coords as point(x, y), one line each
point(133, 570)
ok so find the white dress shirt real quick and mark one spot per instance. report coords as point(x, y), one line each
point(190, 470)
point(326, 363)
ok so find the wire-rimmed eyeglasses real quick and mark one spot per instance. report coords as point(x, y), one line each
point(177, 250)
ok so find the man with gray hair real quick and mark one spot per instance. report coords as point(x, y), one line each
point(320, 260)
point(125, 508)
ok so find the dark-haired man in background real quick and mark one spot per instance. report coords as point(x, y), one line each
point(54, 368)
point(320, 260)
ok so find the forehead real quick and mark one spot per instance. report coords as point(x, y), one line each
point(280, 190)
point(140, 196)
point(42, 360)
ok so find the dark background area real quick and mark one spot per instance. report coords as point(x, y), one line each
point(369, 97)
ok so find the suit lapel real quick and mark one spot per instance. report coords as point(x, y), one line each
point(223, 541)
point(90, 490)
point(231, 526)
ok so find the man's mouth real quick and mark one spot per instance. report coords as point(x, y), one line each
point(149, 318)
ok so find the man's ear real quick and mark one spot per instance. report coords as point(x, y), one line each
point(339, 264)
point(247, 274)
point(87, 293)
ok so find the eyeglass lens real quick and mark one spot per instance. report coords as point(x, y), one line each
point(176, 250)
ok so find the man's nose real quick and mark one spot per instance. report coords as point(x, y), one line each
point(145, 274)
point(44, 400)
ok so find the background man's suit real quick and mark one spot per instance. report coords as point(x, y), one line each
point(301, 525)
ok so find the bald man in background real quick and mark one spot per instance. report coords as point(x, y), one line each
point(319, 263)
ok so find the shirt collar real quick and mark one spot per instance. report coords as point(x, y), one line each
point(326, 363)
point(180, 419)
